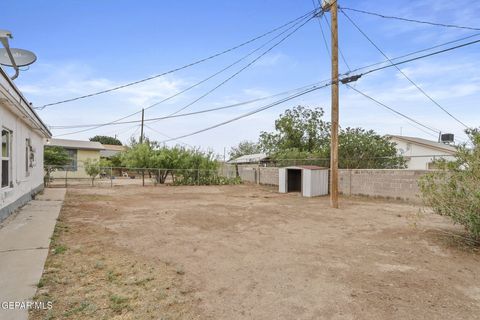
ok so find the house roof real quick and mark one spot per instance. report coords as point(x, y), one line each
point(249, 158)
point(427, 143)
point(111, 150)
point(12, 98)
point(75, 144)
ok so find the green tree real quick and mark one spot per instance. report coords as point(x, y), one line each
point(302, 137)
point(359, 149)
point(106, 140)
point(299, 128)
point(454, 189)
point(93, 167)
point(54, 158)
point(243, 148)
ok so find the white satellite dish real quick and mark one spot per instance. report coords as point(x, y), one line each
point(22, 57)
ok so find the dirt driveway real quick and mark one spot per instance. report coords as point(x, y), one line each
point(247, 252)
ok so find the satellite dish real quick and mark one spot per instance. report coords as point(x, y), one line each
point(22, 57)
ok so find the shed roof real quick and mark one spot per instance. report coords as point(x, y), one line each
point(249, 158)
point(426, 143)
point(307, 167)
point(75, 144)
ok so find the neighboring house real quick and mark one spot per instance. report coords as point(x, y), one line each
point(257, 158)
point(23, 134)
point(79, 151)
point(111, 150)
point(421, 153)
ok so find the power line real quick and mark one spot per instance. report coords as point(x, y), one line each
point(190, 113)
point(406, 77)
point(422, 50)
point(167, 136)
point(320, 18)
point(242, 69)
point(282, 93)
point(393, 110)
point(178, 68)
point(210, 77)
point(410, 20)
point(248, 113)
point(418, 58)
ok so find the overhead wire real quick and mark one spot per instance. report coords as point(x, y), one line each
point(302, 23)
point(245, 67)
point(178, 68)
point(393, 110)
point(248, 113)
point(403, 73)
point(410, 20)
point(239, 104)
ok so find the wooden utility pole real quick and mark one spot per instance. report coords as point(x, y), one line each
point(141, 141)
point(332, 6)
point(141, 130)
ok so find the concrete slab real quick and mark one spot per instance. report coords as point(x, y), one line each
point(24, 242)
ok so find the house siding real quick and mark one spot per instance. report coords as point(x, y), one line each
point(24, 185)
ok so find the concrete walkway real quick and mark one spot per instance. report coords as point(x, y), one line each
point(24, 242)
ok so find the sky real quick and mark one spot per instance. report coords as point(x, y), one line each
point(87, 46)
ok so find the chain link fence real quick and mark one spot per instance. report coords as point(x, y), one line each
point(64, 176)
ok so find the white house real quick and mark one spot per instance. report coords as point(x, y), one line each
point(23, 134)
point(421, 153)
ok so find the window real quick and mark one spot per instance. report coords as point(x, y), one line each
point(72, 154)
point(6, 158)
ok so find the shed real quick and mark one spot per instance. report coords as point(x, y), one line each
point(310, 181)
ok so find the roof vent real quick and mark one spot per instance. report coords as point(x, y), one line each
point(447, 138)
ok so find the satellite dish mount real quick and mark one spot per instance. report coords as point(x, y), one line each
point(13, 57)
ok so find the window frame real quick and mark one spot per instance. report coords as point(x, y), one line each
point(8, 158)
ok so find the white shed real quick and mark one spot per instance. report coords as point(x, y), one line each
point(310, 181)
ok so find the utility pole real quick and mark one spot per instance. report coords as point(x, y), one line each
point(141, 141)
point(331, 5)
point(141, 130)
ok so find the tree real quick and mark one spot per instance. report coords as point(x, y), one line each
point(299, 128)
point(106, 140)
point(94, 167)
point(360, 149)
point(301, 134)
point(243, 148)
point(454, 189)
point(53, 158)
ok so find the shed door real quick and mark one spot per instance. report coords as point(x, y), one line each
point(294, 180)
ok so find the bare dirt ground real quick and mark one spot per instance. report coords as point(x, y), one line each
point(247, 252)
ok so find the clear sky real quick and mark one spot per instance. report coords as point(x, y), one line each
point(86, 46)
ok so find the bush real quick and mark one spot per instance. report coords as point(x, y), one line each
point(204, 179)
point(454, 189)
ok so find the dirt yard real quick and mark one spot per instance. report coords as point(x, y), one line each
point(247, 252)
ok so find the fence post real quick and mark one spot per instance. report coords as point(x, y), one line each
point(111, 177)
point(158, 177)
point(198, 176)
point(66, 178)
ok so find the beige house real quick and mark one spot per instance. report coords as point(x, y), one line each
point(421, 153)
point(79, 151)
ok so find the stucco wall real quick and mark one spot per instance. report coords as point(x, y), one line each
point(418, 157)
point(24, 183)
point(82, 155)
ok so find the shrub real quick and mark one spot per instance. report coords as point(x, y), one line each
point(454, 189)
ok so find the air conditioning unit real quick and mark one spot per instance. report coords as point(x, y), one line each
point(447, 138)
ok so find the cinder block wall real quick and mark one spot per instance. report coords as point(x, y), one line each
point(379, 183)
point(382, 183)
point(268, 175)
